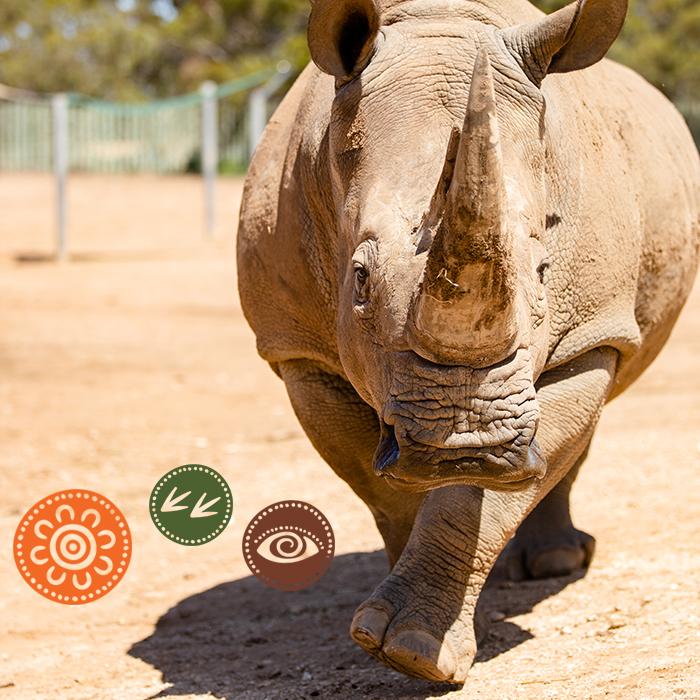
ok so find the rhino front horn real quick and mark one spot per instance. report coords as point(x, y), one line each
point(464, 311)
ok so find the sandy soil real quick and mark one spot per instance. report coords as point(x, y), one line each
point(134, 358)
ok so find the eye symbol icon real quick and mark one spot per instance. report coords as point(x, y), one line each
point(287, 547)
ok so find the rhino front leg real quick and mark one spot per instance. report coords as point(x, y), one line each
point(420, 619)
point(345, 432)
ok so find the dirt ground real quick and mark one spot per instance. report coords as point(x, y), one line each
point(134, 358)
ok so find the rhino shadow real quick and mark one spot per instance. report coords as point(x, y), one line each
point(243, 641)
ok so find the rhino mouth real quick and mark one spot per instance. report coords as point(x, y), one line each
point(453, 424)
point(456, 425)
point(414, 466)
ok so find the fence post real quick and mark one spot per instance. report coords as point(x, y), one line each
point(257, 118)
point(59, 111)
point(210, 151)
point(257, 105)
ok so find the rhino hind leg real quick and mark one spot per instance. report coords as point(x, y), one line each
point(548, 544)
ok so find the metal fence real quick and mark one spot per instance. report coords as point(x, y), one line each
point(214, 129)
point(25, 135)
point(162, 136)
point(113, 138)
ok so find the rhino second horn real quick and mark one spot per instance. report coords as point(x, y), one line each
point(464, 311)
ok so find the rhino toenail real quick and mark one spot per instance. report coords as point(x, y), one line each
point(368, 627)
point(421, 654)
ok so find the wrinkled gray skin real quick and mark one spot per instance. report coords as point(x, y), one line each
point(461, 235)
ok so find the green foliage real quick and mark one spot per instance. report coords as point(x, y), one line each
point(661, 41)
point(80, 45)
point(135, 49)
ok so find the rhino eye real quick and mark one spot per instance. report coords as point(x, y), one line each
point(542, 269)
point(361, 283)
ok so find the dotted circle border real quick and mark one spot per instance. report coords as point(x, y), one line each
point(67, 495)
point(329, 550)
point(190, 542)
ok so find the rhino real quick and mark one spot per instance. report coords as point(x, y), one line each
point(463, 232)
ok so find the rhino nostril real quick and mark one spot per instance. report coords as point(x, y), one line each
point(387, 452)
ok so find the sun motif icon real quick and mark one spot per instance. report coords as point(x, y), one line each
point(73, 546)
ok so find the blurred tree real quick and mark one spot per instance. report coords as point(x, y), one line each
point(131, 49)
point(81, 45)
point(220, 39)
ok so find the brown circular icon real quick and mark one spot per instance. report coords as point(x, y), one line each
point(289, 545)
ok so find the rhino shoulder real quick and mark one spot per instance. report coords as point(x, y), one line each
point(285, 257)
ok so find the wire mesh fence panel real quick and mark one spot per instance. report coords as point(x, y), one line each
point(162, 136)
point(110, 138)
point(233, 135)
point(25, 136)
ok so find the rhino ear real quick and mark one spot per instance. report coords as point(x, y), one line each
point(342, 35)
point(575, 37)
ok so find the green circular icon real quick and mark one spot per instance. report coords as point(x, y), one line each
point(191, 505)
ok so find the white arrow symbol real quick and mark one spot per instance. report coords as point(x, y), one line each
point(171, 504)
point(200, 508)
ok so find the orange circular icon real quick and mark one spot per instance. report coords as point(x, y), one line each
point(73, 546)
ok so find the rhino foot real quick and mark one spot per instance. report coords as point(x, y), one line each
point(400, 626)
point(548, 554)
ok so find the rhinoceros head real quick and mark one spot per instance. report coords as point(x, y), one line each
point(437, 156)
